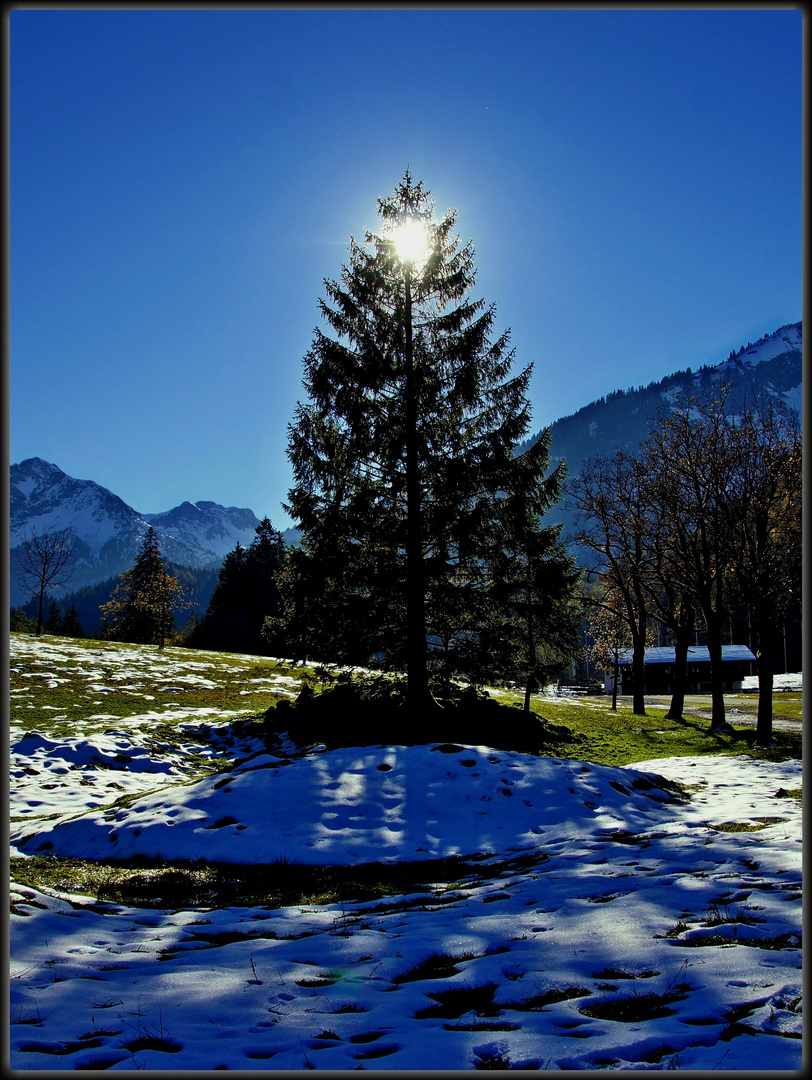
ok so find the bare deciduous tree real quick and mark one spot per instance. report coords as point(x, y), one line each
point(764, 505)
point(727, 479)
point(689, 472)
point(43, 561)
point(609, 501)
point(609, 629)
point(709, 512)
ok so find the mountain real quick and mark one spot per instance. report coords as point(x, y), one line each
point(770, 368)
point(108, 532)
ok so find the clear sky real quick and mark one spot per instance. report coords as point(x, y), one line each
point(182, 181)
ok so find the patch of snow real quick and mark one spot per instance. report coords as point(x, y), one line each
point(25, 487)
point(590, 892)
point(792, 681)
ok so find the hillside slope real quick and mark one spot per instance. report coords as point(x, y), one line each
point(770, 368)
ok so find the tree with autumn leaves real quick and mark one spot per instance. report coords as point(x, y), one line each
point(143, 604)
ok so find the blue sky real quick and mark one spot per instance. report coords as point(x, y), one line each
point(182, 181)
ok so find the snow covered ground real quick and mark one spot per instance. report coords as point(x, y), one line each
point(619, 927)
point(792, 681)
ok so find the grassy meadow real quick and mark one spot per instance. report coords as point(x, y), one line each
point(179, 698)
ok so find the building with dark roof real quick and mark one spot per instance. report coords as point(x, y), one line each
point(737, 661)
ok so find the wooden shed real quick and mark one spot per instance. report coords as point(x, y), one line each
point(737, 661)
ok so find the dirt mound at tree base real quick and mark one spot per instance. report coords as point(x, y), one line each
point(350, 715)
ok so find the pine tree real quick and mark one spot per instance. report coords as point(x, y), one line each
point(142, 607)
point(53, 620)
point(245, 595)
point(536, 579)
point(402, 449)
point(71, 627)
point(230, 590)
point(264, 560)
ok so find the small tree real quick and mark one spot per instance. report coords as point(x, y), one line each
point(71, 627)
point(21, 623)
point(44, 561)
point(142, 607)
point(53, 621)
point(608, 626)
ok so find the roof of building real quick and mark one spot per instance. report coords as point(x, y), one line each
point(697, 654)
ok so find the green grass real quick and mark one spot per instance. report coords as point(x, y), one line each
point(152, 683)
point(747, 826)
point(788, 703)
point(184, 885)
point(618, 738)
point(92, 692)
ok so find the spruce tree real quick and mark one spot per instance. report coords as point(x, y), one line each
point(245, 596)
point(142, 607)
point(264, 560)
point(535, 615)
point(71, 626)
point(53, 621)
point(402, 450)
point(230, 590)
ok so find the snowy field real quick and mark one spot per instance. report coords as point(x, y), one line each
point(609, 924)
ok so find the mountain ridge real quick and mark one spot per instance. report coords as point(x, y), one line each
point(108, 532)
point(771, 367)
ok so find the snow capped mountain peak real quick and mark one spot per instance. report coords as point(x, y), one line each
point(108, 533)
point(207, 524)
point(787, 339)
point(35, 469)
point(45, 498)
point(769, 368)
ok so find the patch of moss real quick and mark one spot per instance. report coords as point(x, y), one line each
point(206, 886)
point(747, 826)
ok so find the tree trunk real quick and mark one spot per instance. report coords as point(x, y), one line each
point(38, 631)
point(682, 641)
point(766, 665)
point(714, 625)
point(639, 678)
point(531, 646)
point(614, 681)
point(419, 700)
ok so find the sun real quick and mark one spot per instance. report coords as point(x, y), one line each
point(411, 240)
